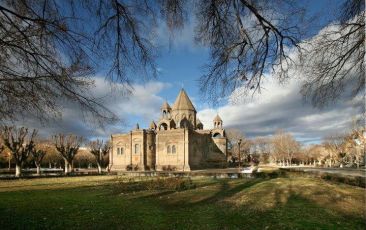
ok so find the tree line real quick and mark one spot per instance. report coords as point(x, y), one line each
point(283, 149)
point(23, 147)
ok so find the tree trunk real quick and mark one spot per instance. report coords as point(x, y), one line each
point(38, 169)
point(66, 167)
point(18, 170)
point(99, 168)
point(72, 166)
point(357, 159)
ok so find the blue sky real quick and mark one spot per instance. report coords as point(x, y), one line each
point(181, 64)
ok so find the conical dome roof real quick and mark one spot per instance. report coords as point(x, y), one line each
point(183, 102)
point(217, 118)
point(165, 105)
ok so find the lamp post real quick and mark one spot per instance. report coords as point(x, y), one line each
point(239, 142)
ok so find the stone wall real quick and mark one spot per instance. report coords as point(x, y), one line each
point(205, 151)
point(128, 149)
point(177, 160)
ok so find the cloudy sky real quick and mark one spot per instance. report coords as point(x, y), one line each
point(180, 65)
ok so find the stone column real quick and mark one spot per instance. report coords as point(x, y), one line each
point(157, 165)
point(186, 151)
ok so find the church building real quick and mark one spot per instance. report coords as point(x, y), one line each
point(177, 142)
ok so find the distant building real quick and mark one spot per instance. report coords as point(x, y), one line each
point(177, 142)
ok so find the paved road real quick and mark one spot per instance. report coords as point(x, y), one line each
point(342, 171)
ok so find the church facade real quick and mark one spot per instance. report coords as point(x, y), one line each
point(177, 142)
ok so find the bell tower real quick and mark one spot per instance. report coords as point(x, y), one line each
point(217, 122)
point(166, 110)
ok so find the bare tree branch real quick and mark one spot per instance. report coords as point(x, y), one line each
point(245, 44)
point(334, 61)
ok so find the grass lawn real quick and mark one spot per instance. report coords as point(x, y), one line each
point(109, 202)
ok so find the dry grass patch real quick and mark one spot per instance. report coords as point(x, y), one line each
point(54, 183)
point(267, 195)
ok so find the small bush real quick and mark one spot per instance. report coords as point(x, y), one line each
point(127, 185)
point(270, 175)
point(132, 167)
point(351, 180)
point(171, 183)
point(169, 168)
point(129, 167)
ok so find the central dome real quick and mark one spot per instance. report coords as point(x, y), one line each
point(183, 102)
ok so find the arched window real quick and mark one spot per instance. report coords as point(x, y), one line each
point(216, 135)
point(163, 126)
point(118, 151)
point(168, 149)
point(137, 148)
point(173, 149)
point(184, 123)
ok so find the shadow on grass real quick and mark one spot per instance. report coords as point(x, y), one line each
point(296, 212)
point(293, 208)
point(225, 190)
point(228, 191)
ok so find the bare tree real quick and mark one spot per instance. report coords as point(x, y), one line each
point(354, 144)
point(285, 147)
point(38, 155)
point(333, 62)
point(84, 158)
point(99, 149)
point(234, 135)
point(334, 147)
point(19, 143)
point(67, 146)
point(262, 147)
point(52, 157)
point(49, 49)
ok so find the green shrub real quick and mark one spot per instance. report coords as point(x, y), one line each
point(351, 180)
point(169, 168)
point(127, 185)
point(170, 183)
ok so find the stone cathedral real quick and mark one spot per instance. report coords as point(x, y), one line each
point(177, 142)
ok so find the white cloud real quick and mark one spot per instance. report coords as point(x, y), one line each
point(143, 105)
point(282, 107)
